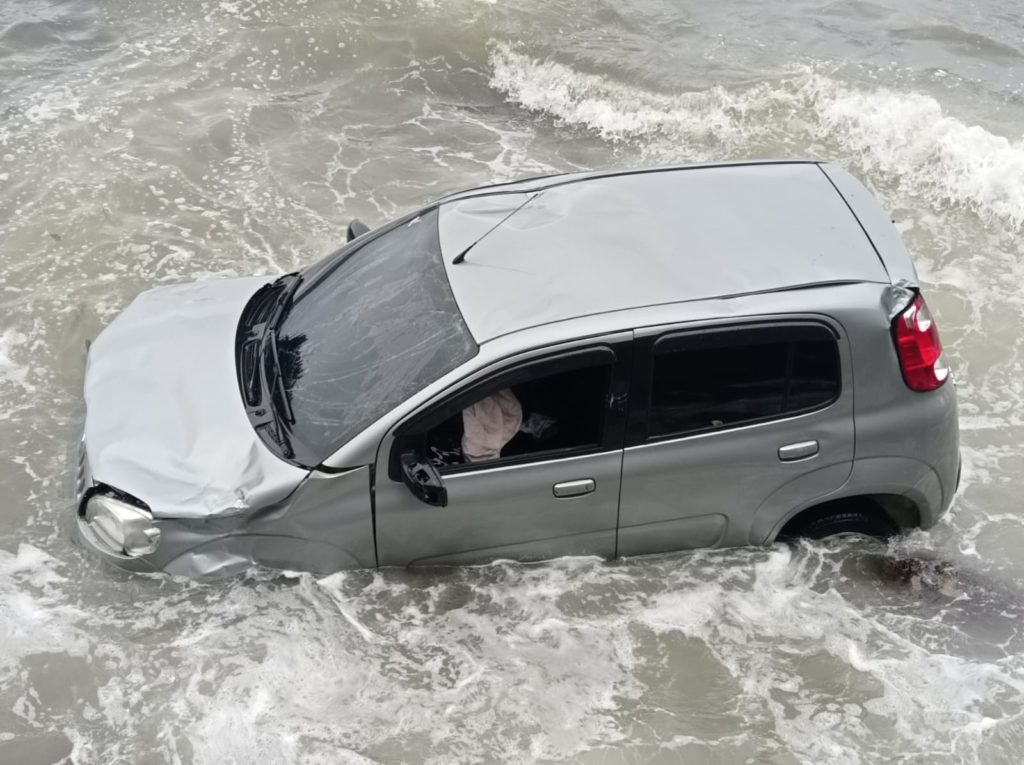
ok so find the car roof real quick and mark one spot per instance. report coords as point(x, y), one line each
point(550, 249)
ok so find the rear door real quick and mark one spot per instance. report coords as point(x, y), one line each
point(732, 423)
point(554, 488)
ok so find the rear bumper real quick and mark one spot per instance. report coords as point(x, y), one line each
point(941, 501)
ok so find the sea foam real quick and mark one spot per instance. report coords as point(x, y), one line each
point(906, 139)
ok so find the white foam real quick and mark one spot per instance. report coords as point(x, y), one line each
point(402, 668)
point(10, 370)
point(923, 693)
point(615, 111)
point(32, 616)
point(904, 137)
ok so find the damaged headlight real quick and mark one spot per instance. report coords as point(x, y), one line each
point(124, 528)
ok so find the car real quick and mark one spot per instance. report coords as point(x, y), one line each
point(603, 363)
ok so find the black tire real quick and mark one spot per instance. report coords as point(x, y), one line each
point(846, 521)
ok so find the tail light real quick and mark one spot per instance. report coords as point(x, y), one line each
point(919, 348)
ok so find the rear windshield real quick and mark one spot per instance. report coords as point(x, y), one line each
point(366, 332)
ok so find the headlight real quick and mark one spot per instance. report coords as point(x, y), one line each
point(125, 529)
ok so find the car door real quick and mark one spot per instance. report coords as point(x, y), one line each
point(730, 428)
point(550, 493)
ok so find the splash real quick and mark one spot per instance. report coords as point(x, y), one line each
point(905, 138)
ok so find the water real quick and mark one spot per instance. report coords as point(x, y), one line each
point(147, 142)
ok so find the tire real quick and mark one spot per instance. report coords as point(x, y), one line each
point(851, 521)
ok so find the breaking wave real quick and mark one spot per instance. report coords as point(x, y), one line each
point(904, 138)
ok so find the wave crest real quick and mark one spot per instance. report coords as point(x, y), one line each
point(905, 138)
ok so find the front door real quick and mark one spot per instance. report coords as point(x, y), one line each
point(730, 429)
point(546, 485)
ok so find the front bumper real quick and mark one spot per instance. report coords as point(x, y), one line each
point(87, 538)
point(178, 541)
point(82, 533)
point(83, 474)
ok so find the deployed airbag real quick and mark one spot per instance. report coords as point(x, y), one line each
point(489, 424)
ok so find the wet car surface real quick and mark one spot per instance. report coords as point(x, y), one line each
point(718, 333)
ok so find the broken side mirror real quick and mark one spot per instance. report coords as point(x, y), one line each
point(423, 480)
point(355, 229)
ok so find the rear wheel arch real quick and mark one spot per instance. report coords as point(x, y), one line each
point(874, 514)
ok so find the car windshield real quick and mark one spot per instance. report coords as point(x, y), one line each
point(367, 331)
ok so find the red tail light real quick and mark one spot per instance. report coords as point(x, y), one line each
point(919, 348)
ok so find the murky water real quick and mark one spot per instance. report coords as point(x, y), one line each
point(146, 142)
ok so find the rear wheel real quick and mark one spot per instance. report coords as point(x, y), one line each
point(843, 520)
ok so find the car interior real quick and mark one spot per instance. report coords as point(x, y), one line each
point(561, 412)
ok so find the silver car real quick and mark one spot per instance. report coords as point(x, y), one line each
point(612, 364)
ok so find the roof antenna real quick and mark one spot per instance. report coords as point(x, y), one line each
point(462, 255)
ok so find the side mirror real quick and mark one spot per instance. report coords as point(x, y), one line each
point(423, 481)
point(356, 228)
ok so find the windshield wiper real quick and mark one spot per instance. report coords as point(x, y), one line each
point(281, 309)
point(276, 383)
point(285, 298)
point(250, 335)
point(271, 366)
point(265, 414)
point(259, 364)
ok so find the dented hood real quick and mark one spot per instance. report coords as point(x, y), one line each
point(165, 421)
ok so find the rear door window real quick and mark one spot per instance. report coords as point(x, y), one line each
point(706, 381)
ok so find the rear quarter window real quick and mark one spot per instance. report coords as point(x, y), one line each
point(707, 381)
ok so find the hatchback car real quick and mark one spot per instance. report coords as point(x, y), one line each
point(612, 363)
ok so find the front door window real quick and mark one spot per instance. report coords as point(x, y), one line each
point(542, 410)
point(547, 415)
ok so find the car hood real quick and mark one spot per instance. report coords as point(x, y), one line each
point(165, 421)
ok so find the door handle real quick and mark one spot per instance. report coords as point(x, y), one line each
point(798, 451)
point(574, 488)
